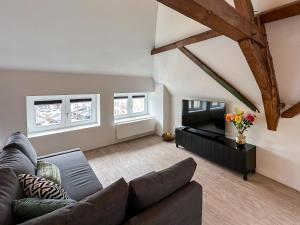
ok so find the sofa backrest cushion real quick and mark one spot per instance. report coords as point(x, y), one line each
point(153, 187)
point(17, 161)
point(21, 142)
point(106, 207)
point(183, 207)
point(8, 192)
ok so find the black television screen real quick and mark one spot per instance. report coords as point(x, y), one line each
point(204, 115)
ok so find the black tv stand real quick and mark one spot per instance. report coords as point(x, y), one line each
point(220, 150)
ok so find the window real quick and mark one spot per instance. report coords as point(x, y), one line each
point(130, 105)
point(50, 113)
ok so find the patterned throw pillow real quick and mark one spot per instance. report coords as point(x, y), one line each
point(38, 187)
point(49, 171)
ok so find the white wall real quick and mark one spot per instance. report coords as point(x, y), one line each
point(161, 108)
point(81, 44)
point(278, 155)
point(101, 37)
point(16, 85)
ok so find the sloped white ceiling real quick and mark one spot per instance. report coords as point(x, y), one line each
point(184, 78)
point(95, 36)
point(263, 5)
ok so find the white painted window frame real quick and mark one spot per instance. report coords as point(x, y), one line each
point(66, 122)
point(130, 114)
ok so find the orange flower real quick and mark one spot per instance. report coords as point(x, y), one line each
point(228, 117)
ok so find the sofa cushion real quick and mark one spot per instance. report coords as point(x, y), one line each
point(15, 159)
point(106, 207)
point(153, 187)
point(184, 207)
point(39, 187)
point(49, 171)
point(21, 142)
point(78, 178)
point(29, 208)
point(8, 192)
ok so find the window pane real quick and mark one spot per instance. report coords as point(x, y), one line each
point(81, 111)
point(138, 105)
point(47, 115)
point(121, 106)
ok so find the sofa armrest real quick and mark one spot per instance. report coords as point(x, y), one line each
point(58, 153)
point(182, 207)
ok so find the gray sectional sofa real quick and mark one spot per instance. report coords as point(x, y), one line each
point(167, 197)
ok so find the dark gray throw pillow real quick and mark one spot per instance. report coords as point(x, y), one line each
point(8, 192)
point(153, 187)
point(105, 207)
point(20, 141)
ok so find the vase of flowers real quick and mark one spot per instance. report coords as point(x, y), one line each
point(242, 122)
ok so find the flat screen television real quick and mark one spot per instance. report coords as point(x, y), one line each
point(204, 115)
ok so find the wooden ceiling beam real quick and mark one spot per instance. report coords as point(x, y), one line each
point(282, 12)
point(261, 64)
point(238, 24)
point(292, 112)
point(219, 16)
point(219, 79)
point(187, 41)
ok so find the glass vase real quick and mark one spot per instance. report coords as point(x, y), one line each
point(240, 138)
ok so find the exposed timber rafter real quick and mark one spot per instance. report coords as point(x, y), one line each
point(239, 25)
point(292, 112)
point(187, 41)
point(219, 16)
point(261, 64)
point(218, 79)
point(282, 12)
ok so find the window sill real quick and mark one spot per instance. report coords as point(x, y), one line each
point(133, 119)
point(45, 133)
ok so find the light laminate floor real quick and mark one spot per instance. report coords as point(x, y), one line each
point(228, 200)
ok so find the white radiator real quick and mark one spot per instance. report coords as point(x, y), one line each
point(133, 128)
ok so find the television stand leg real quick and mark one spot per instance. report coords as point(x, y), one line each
point(245, 177)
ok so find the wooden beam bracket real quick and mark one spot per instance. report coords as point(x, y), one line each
point(291, 112)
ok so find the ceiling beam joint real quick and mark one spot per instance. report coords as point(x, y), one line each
point(282, 12)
